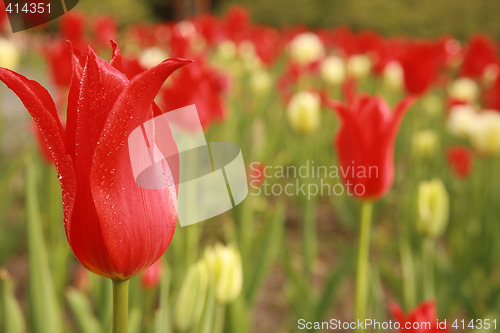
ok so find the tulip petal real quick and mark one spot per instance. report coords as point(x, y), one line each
point(41, 107)
point(116, 60)
point(137, 224)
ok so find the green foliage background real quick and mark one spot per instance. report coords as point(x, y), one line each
point(417, 18)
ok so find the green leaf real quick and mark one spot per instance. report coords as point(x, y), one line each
point(45, 315)
point(11, 316)
point(82, 311)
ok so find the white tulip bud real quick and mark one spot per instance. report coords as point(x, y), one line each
point(332, 70)
point(306, 48)
point(304, 112)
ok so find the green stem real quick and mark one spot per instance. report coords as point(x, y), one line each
point(409, 284)
point(362, 267)
point(120, 306)
point(428, 273)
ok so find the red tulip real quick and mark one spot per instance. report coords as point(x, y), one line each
point(59, 58)
point(460, 161)
point(115, 228)
point(421, 62)
point(365, 144)
point(73, 29)
point(480, 53)
point(150, 278)
point(3, 14)
point(105, 29)
point(237, 23)
point(201, 85)
point(414, 321)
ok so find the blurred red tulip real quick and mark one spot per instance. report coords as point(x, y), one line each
point(460, 160)
point(105, 29)
point(111, 232)
point(479, 53)
point(73, 29)
point(59, 61)
point(416, 319)
point(237, 23)
point(268, 46)
point(257, 174)
point(197, 84)
point(421, 62)
point(365, 144)
point(150, 278)
point(3, 14)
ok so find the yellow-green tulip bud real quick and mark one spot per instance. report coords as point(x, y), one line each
point(332, 70)
point(306, 48)
point(192, 295)
point(425, 143)
point(226, 269)
point(464, 89)
point(260, 82)
point(152, 56)
point(433, 208)
point(9, 54)
point(304, 112)
point(485, 133)
point(393, 76)
point(359, 66)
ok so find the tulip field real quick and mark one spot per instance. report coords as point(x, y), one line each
point(369, 201)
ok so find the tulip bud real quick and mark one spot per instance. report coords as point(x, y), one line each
point(306, 48)
point(152, 57)
point(432, 105)
point(359, 66)
point(226, 50)
point(150, 278)
point(332, 70)
point(433, 208)
point(425, 143)
point(485, 133)
point(461, 120)
point(464, 89)
point(225, 266)
point(304, 112)
point(191, 299)
point(260, 82)
point(9, 54)
point(393, 76)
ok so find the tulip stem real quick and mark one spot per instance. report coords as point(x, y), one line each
point(120, 306)
point(428, 253)
point(363, 264)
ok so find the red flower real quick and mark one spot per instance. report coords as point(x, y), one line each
point(150, 278)
point(237, 23)
point(257, 174)
point(105, 30)
point(115, 228)
point(416, 319)
point(421, 63)
point(59, 58)
point(460, 161)
point(3, 14)
point(479, 54)
point(73, 29)
point(365, 144)
point(197, 84)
